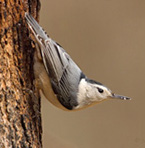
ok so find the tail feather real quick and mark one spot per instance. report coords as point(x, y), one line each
point(35, 27)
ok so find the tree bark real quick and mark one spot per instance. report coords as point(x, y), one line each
point(20, 119)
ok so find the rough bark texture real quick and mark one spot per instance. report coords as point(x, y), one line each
point(20, 120)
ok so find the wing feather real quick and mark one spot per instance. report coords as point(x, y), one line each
point(62, 70)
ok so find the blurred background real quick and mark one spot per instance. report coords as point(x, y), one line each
point(106, 38)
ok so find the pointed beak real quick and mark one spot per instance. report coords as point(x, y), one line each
point(115, 96)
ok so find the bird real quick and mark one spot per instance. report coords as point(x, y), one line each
point(60, 80)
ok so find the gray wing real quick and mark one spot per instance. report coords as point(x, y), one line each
point(63, 72)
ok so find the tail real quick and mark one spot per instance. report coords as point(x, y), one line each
point(37, 30)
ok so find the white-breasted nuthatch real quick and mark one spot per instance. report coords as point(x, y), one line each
point(61, 81)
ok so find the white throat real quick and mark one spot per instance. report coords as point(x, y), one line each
point(86, 95)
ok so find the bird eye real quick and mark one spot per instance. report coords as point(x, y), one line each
point(100, 90)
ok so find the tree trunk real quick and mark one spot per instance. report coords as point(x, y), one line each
point(20, 120)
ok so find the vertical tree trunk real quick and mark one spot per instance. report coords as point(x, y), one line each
point(20, 120)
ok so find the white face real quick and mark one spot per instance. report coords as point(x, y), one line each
point(92, 93)
point(99, 92)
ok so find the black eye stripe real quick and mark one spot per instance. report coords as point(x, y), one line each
point(100, 90)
